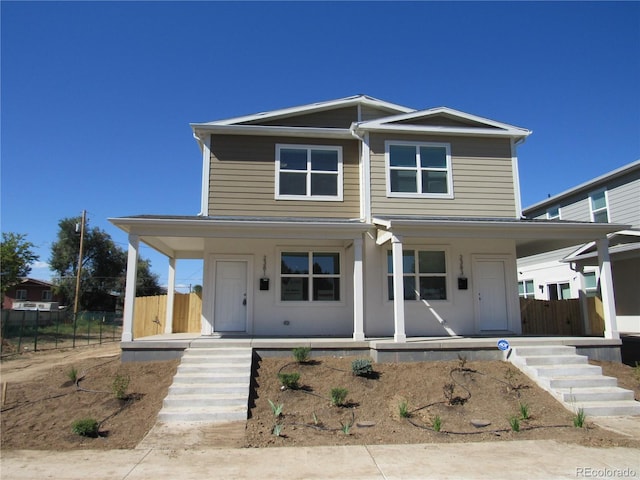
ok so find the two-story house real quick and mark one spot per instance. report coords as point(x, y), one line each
point(357, 218)
point(573, 272)
point(31, 294)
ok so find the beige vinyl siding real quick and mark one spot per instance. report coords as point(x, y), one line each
point(334, 118)
point(242, 179)
point(443, 121)
point(482, 180)
point(370, 113)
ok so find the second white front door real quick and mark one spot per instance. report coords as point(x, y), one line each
point(230, 310)
point(492, 312)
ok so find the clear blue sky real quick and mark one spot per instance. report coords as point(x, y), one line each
point(97, 97)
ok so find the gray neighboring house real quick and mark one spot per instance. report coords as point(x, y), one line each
point(573, 272)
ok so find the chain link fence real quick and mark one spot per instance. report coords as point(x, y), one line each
point(34, 330)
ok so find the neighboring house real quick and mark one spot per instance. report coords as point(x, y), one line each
point(356, 217)
point(573, 272)
point(31, 294)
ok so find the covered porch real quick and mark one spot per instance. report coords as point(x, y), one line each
point(250, 241)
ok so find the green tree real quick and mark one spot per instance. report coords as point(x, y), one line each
point(16, 255)
point(104, 266)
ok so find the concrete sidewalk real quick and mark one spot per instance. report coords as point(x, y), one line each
point(492, 460)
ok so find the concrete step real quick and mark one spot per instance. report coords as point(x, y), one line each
point(582, 381)
point(551, 371)
point(204, 389)
point(607, 408)
point(544, 350)
point(202, 414)
point(199, 400)
point(211, 378)
point(209, 359)
point(594, 394)
point(535, 360)
point(234, 368)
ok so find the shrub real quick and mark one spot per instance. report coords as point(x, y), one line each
point(579, 418)
point(515, 423)
point(403, 409)
point(437, 423)
point(289, 380)
point(338, 396)
point(119, 386)
point(276, 409)
point(277, 430)
point(86, 427)
point(524, 411)
point(72, 374)
point(361, 367)
point(301, 354)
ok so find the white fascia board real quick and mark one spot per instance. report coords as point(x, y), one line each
point(315, 107)
point(588, 185)
point(435, 130)
point(342, 133)
point(523, 132)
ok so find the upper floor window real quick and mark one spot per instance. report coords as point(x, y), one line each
point(47, 295)
point(305, 172)
point(598, 204)
point(553, 213)
point(424, 274)
point(310, 276)
point(418, 169)
point(21, 294)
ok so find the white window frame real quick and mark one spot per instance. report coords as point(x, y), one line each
point(47, 295)
point(550, 216)
point(605, 208)
point(590, 291)
point(417, 275)
point(557, 287)
point(21, 294)
point(418, 169)
point(311, 250)
point(525, 294)
point(321, 198)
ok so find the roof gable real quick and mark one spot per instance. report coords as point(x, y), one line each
point(444, 120)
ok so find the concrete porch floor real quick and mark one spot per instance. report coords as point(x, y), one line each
point(380, 349)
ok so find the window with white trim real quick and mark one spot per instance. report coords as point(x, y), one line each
point(590, 283)
point(598, 206)
point(525, 289)
point(21, 294)
point(47, 295)
point(418, 169)
point(559, 291)
point(424, 274)
point(553, 213)
point(309, 276)
point(308, 172)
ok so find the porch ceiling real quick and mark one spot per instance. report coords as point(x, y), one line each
point(184, 237)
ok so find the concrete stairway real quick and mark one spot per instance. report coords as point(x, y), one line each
point(573, 381)
point(211, 385)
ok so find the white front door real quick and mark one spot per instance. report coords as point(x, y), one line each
point(492, 312)
point(230, 310)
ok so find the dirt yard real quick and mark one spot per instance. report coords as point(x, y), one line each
point(42, 402)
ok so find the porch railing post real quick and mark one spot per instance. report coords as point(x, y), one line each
point(358, 294)
point(606, 290)
point(398, 290)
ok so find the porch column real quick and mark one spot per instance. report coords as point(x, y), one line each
point(171, 292)
point(582, 295)
point(130, 288)
point(398, 290)
point(606, 290)
point(358, 294)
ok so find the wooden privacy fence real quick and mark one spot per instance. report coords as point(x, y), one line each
point(150, 314)
point(560, 317)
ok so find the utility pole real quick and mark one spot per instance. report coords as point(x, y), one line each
point(78, 274)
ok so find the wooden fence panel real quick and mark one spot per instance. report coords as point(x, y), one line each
point(150, 314)
point(557, 317)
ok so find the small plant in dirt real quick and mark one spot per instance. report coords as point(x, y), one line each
point(289, 380)
point(338, 396)
point(579, 418)
point(277, 430)
point(462, 359)
point(301, 354)
point(72, 374)
point(515, 423)
point(437, 423)
point(448, 390)
point(403, 409)
point(524, 411)
point(276, 409)
point(119, 386)
point(85, 427)
point(316, 421)
point(362, 367)
point(346, 427)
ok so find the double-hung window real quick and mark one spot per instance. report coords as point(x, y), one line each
point(424, 274)
point(598, 204)
point(418, 169)
point(21, 294)
point(309, 276)
point(47, 295)
point(305, 172)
